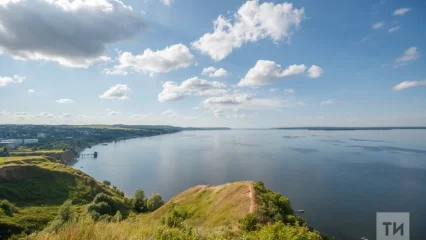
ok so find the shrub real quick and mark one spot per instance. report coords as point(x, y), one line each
point(65, 214)
point(106, 182)
point(249, 222)
point(100, 207)
point(7, 207)
point(280, 231)
point(154, 202)
point(167, 233)
point(117, 217)
point(175, 218)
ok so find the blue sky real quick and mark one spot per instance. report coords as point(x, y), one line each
point(265, 63)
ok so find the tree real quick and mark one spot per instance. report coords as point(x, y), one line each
point(154, 202)
point(139, 200)
point(106, 182)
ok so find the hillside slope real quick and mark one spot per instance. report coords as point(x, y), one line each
point(37, 186)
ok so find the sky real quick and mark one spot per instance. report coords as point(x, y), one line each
point(239, 64)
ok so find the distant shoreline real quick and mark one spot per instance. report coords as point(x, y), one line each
point(349, 128)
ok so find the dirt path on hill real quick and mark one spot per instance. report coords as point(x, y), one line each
point(251, 196)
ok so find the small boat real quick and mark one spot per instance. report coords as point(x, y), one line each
point(300, 211)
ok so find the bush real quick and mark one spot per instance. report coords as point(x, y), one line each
point(272, 206)
point(175, 218)
point(280, 231)
point(101, 208)
point(154, 202)
point(65, 214)
point(7, 207)
point(167, 233)
point(106, 182)
point(117, 217)
point(249, 222)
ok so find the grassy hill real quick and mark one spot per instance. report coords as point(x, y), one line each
point(41, 193)
point(37, 186)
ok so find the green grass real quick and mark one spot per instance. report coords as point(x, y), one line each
point(37, 186)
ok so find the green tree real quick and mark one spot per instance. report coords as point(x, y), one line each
point(117, 217)
point(106, 182)
point(139, 201)
point(154, 202)
point(249, 222)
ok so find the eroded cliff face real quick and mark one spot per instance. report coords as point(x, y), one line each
point(66, 157)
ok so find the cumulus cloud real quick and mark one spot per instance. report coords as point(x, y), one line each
point(168, 2)
point(401, 11)
point(31, 91)
point(378, 25)
point(215, 72)
point(44, 115)
point(64, 101)
point(193, 86)
point(252, 22)
point(409, 55)
point(315, 71)
point(112, 112)
point(289, 90)
point(4, 81)
point(71, 33)
point(394, 29)
point(328, 102)
point(234, 99)
point(265, 72)
point(119, 91)
point(409, 84)
point(170, 113)
point(149, 62)
point(142, 116)
point(66, 115)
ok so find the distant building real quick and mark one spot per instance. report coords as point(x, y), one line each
point(30, 141)
point(7, 144)
point(41, 135)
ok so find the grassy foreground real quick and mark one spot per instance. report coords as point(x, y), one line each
point(42, 199)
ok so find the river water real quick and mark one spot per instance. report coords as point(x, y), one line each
point(340, 178)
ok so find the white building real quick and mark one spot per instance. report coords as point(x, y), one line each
point(30, 141)
point(7, 144)
point(41, 135)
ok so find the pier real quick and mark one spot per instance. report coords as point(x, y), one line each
point(89, 155)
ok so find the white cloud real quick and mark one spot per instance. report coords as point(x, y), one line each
point(191, 117)
point(409, 84)
point(252, 22)
point(64, 101)
point(289, 91)
point(142, 116)
point(234, 99)
point(44, 115)
point(119, 91)
point(71, 33)
point(4, 81)
point(168, 2)
point(265, 72)
point(31, 91)
point(113, 113)
point(66, 115)
point(409, 55)
point(394, 29)
point(149, 62)
point(401, 11)
point(170, 113)
point(328, 102)
point(378, 25)
point(196, 108)
point(215, 72)
point(315, 71)
point(193, 86)
point(273, 89)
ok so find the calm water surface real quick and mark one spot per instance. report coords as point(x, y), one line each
point(340, 178)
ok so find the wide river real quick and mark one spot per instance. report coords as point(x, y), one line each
point(340, 178)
